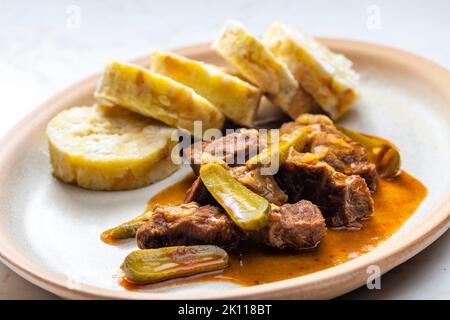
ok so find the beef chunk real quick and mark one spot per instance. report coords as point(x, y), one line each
point(298, 226)
point(234, 149)
point(342, 199)
point(198, 193)
point(188, 224)
point(263, 185)
point(193, 155)
point(344, 155)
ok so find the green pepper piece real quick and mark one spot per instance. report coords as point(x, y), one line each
point(154, 265)
point(125, 230)
point(248, 210)
point(279, 151)
point(382, 152)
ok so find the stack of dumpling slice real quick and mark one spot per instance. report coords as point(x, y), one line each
point(126, 140)
point(293, 69)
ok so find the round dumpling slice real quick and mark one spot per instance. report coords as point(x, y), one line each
point(109, 148)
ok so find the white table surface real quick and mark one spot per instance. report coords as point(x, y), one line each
point(47, 45)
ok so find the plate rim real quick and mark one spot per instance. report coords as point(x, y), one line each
point(327, 283)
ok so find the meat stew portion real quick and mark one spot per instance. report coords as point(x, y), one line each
point(326, 183)
point(331, 170)
point(327, 180)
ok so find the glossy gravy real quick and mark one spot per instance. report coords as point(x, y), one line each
point(395, 201)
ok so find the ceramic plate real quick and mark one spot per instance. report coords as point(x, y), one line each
point(49, 231)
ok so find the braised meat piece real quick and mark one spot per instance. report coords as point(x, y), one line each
point(263, 185)
point(234, 149)
point(344, 155)
point(342, 199)
point(188, 224)
point(198, 193)
point(299, 226)
point(193, 155)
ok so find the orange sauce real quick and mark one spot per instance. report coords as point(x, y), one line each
point(173, 194)
point(395, 201)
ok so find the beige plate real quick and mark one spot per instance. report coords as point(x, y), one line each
point(49, 232)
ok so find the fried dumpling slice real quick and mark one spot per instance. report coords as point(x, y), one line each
point(238, 100)
point(157, 96)
point(327, 76)
point(109, 148)
point(256, 63)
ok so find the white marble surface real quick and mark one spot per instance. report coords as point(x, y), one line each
point(47, 45)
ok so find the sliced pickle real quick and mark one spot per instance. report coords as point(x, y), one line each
point(248, 210)
point(125, 230)
point(279, 151)
point(154, 265)
point(382, 152)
